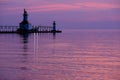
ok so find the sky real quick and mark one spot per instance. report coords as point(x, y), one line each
point(68, 14)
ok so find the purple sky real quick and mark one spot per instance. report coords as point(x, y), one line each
point(88, 14)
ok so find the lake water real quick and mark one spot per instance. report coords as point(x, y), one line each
point(71, 55)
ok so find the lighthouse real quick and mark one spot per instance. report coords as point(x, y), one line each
point(54, 26)
point(25, 26)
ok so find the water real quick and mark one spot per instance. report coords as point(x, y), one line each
point(71, 55)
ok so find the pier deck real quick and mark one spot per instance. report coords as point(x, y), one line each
point(35, 29)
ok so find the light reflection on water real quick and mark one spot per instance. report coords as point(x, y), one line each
point(71, 55)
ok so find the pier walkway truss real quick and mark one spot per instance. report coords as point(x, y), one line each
point(13, 29)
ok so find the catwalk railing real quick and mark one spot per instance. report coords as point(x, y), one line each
point(43, 28)
point(13, 29)
point(8, 28)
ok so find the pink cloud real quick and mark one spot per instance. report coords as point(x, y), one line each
point(95, 5)
point(75, 6)
point(54, 7)
point(85, 6)
point(42, 8)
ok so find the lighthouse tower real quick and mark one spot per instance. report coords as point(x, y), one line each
point(54, 26)
point(24, 25)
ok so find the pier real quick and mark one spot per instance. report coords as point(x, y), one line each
point(26, 27)
point(8, 29)
point(35, 29)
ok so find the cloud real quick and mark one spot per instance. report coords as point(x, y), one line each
point(83, 6)
point(85, 11)
point(49, 7)
point(75, 6)
point(54, 7)
point(95, 5)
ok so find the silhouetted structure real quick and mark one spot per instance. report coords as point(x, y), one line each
point(26, 27)
point(54, 26)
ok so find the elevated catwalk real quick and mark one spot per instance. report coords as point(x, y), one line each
point(35, 29)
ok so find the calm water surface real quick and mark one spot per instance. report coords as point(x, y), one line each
point(71, 55)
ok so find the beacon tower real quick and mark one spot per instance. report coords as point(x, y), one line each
point(25, 25)
point(54, 26)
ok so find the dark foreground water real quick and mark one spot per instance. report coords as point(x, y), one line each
point(71, 55)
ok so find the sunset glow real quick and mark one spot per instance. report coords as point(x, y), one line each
point(87, 11)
